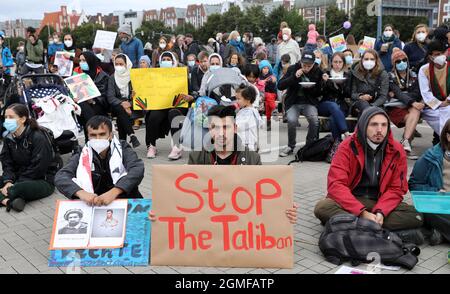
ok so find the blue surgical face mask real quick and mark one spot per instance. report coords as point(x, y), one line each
point(318, 61)
point(191, 63)
point(214, 67)
point(84, 66)
point(10, 125)
point(166, 64)
point(348, 59)
point(402, 66)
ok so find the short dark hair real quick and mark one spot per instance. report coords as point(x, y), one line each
point(349, 50)
point(96, 121)
point(222, 111)
point(286, 58)
point(202, 55)
point(247, 92)
point(122, 56)
point(251, 69)
point(110, 210)
point(31, 30)
point(189, 36)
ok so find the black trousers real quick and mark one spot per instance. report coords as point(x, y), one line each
point(358, 107)
point(89, 110)
point(176, 119)
point(440, 222)
point(124, 122)
point(28, 190)
point(156, 125)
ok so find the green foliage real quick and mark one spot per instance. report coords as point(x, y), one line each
point(44, 34)
point(152, 31)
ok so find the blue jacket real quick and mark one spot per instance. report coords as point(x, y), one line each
point(53, 48)
point(427, 172)
point(416, 55)
point(386, 56)
point(326, 50)
point(7, 59)
point(134, 50)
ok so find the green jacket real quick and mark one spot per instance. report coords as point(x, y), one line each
point(35, 53)
point(245, 157)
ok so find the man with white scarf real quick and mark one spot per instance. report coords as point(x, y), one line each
point(105, 170)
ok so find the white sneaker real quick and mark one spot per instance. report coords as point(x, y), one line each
point(176, 153)
point(407, 146)
point(151, 152)
point(286, 152)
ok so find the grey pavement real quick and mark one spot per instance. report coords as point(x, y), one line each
point(24, 237)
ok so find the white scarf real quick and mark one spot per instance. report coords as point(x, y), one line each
point(334, 74)
point(123, 80)
point(84, 169)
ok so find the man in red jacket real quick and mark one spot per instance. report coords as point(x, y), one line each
point(367, 178)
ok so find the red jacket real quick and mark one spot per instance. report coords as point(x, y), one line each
point(346, 172)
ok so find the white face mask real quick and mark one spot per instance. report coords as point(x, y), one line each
point(68, 43)
point(421, 37)
point(388, 34)
point(440, 60)
point(162, 45)
point(99, 145)
point(369, 64)
point(285, 37)
point(120, 69)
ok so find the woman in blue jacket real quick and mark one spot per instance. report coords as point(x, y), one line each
point(385, 44)
point(6, 61)
point(432, 173)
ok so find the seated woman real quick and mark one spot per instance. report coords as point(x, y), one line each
point(90, 65)
point(432, 173)
point(333, 104)
point(120, 97)
point(26, 158)
point(404, 86)
point(370, 83)
point(159, 122)
point(236, 61)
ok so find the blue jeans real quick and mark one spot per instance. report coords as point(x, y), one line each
point(338, 124)
point(310, 112)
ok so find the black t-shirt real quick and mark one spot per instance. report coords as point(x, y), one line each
point(101, 177)
point(230, 160)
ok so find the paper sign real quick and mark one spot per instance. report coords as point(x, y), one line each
point(156, 87)
point(77, 225)
point(82, 87)
point(346, 270)
point(135, 251)
point(226, 216)
point(65, 65)
point(368, 43)
point(338, 43)
point(105, 40)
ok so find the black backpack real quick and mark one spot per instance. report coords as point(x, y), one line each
point(349, 238)
point(57, 161)
point(315, 151)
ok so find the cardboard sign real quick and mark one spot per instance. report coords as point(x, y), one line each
point(338, 43)
point(368, 43)
point(227, 216)
point(135, 251)
point(65, 65)
point(77, 225)
point(156, 88)
point(105, 40)
point(82, 88)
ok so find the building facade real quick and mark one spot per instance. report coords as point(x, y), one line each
point(63, 19)
point(133, 18)
point(18, 28)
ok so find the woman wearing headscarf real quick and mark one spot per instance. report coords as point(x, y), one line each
point(90, 65)
point(120, 97)
point(70, 47)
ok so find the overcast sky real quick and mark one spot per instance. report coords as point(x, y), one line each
point(34, 9)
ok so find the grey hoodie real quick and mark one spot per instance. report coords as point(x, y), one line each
point(369, 185)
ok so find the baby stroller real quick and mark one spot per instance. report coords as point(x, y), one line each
point(49, 103)
point(221, 89)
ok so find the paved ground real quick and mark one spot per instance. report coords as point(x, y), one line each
point(24, 237)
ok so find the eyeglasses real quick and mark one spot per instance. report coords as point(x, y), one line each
point(402, 60)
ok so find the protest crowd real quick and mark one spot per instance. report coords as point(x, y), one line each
point(356, 93)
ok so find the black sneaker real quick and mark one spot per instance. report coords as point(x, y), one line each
point(134, 141)
point(414, 236)
point(435, 237)
point(417, 134)
point(17, 204)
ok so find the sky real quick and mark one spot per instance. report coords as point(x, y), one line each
point(34, 9)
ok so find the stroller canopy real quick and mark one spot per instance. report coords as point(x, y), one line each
point(224, 82)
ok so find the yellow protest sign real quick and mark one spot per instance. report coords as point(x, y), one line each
point(156, 88)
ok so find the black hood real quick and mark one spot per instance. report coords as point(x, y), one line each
point(363, 122)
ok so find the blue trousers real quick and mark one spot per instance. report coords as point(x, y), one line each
point(332, 110)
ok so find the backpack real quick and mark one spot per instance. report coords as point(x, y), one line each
point(57, 161)
point(315, 151)
point(349, 238)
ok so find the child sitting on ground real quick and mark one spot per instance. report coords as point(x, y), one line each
point(267, 83)
point(248, 120)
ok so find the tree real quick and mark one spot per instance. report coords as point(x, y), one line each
point(253, 20)
point(13, 43)
point(295, 21)
point(85, 35)
point(151, 31)
point(44, 34)
point(210, 28)
point(334, 20)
